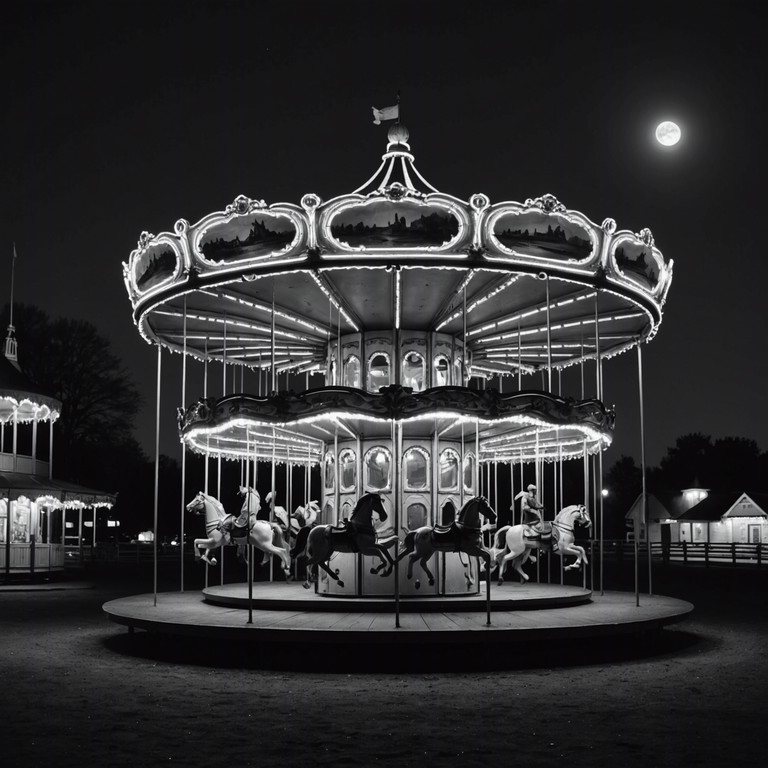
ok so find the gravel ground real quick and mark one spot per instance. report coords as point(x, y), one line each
point(79, 690)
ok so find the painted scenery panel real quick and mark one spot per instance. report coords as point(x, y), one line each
point(394, 225)
point(246, 237)
point(154, 266)
point(547, 236)
point(636, 260)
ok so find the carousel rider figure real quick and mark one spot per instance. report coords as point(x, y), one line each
point(532, 516)
point(237, 527)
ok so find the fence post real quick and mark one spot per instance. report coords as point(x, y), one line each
point(706, 554)
point(733, 552)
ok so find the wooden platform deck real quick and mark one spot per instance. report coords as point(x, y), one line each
point(288, 614)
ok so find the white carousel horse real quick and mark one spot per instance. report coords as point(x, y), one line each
point(303, 520)
point(220, 528)
point(513, 543)
point(356, 535)
point(462, 535)
point(302, 517)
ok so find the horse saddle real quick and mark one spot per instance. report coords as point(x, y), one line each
point(229, 525)
point(350, 532)
point(451, 536)
point(541, 533)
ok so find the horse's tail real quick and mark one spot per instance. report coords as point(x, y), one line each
point(301, 542)
point(409, 542)
point(500, 537)
point(499, 543)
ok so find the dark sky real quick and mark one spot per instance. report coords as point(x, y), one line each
point(119, 117)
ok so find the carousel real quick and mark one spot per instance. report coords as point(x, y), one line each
point(429, 365)
point(41, 518)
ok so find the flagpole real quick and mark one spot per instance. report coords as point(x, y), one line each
point(13, 273)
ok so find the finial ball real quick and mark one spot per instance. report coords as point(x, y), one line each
point(398, 134)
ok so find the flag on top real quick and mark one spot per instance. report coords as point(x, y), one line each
point(388, 113)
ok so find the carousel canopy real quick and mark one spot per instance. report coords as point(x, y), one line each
point(294, 427)
point(52, 492)
point(21, 399)
point(528, 285)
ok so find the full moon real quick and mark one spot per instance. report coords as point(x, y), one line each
point(667, 133)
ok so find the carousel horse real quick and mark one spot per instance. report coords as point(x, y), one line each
point(514, 543)
point(462, 535)
point(297, 524)
point(221, 529)
point(356, 535)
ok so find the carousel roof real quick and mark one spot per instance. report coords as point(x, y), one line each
point(20, 397)
point(57, 493)
point(295, 427)
point(526, 284)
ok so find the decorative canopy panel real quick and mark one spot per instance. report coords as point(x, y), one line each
point(294, 427)
point(21, 400)
point(529, 285)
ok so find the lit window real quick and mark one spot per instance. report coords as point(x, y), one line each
point(347, 470)
point(449, 470)
point(413, 371)
point(442, 372)
point(416, 466)
point(352, 372)
point(416, 516)
point(329, 471)
point(469, 472)
point(377, 468)
point(378, 371)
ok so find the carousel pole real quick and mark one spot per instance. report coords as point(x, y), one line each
point(599, 484)
point(488, 569)
point(250, 546)
point(207, 439)
point(273, 389)
point(183, 445)
point(397, 450)
point(587, 505)
point(157, 470)
point(218, 460)
point(643, 470)
point(549, 342)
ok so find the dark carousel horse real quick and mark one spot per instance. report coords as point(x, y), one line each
point(356, 535)
point(462, 535)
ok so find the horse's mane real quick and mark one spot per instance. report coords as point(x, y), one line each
point(213, 500)
point(567, 510)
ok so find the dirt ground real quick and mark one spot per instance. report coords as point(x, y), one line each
point(79, 690)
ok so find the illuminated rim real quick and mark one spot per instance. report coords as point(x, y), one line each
point(28, 409)
point(297, 428)
point(315, 252)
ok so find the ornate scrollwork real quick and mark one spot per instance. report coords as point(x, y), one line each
point(242, 205)
point(645, 236)
point(145, 239)
point(608, 226)
point(547, 203)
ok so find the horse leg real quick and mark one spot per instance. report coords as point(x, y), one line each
point(281, 553)
point(204, 547)
point(425, 568)
point(333, 575)
point(517, 564)
point(577, 552)
point(386, 559)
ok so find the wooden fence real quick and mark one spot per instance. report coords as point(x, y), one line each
point(702, 553)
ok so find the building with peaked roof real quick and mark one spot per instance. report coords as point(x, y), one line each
point(34, 522)
point(698, 516)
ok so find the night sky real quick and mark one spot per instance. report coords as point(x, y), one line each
point(119, 117)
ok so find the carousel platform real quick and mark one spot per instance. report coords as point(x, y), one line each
point(286, 613)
